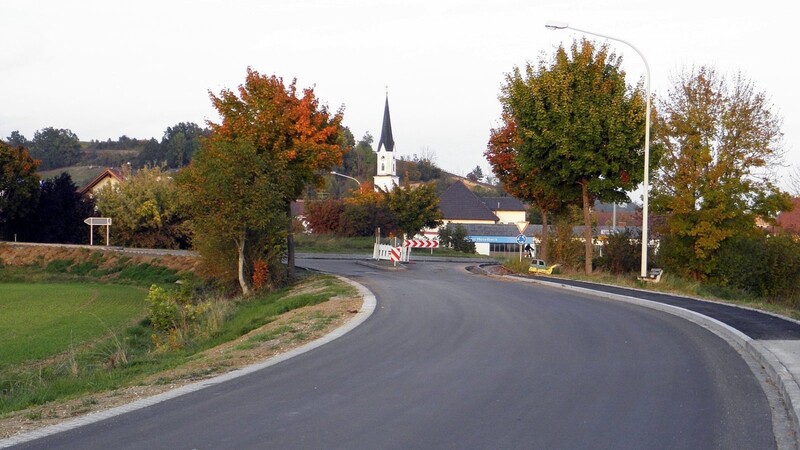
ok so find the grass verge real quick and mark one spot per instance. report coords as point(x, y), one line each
point(671, 284)
point(130, 358)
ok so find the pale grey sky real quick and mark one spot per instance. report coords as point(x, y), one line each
point(104, 68)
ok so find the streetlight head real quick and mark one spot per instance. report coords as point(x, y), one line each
point(556, 25)
point(333, 172)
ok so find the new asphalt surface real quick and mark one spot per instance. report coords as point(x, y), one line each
point(755, 324)
point(453, 360)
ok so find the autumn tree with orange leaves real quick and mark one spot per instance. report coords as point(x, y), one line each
point(527, 185)
point(273, 140)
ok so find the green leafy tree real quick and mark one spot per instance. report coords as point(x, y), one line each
point(455, 236)
point(180, 143)
point(59, 213)
point(146, 210)
point(414, 208)
point(19, 187)
point(720, 141)
point(177, 146)
point(55, 147)
point(361, 161)
point(17, 140)
point(236, 201)
point(579, 125)
point(152, 154)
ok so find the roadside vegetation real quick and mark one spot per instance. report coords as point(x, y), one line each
point(71, 330)
point(675, 284)
point(715, 196)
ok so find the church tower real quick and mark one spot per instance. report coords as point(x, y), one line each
point(386, 175)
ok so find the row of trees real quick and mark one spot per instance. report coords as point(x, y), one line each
point(232, 202)
point(572, 132)
point(58, 147)
point(52, 147)
point(176, 148)
point(403, 210)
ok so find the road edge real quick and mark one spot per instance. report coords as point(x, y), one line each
point(368, 305)
point(786, 384)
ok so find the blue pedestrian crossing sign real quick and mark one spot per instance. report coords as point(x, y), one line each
point(521, 239)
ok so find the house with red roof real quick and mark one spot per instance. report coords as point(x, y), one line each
point(789, 221)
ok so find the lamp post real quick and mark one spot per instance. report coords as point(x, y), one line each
point(333, 172)
point(553, 25)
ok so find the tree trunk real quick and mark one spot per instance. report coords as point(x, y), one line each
point(545, 238)
point(587, 227)
point(242, 280)
point(289, 243)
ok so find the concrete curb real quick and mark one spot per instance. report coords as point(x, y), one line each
point(367, 308)
point(788, 386)
point(377, 266)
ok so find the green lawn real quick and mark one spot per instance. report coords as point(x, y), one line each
point(41, 320)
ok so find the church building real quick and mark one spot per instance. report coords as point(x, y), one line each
point(386, 174)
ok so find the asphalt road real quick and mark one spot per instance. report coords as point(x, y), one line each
point(455, 360)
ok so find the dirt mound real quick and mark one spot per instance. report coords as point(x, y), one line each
point(18, 254)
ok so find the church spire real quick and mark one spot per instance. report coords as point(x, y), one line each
point(386, 173)
point(387, 141)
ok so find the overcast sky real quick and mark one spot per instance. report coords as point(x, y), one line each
point(105, 68)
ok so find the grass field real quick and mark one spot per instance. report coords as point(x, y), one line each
point(81, 175)
point(73, 321)
point(41, 320)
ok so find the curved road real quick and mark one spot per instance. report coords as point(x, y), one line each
point(454, 360)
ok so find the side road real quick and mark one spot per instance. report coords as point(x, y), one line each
point(773, 341)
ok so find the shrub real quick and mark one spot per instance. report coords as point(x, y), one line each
point(58, 266)
point(767, 266)
point(163, 309)
point(179, 316)
point(621, 252)
point(455, 236)
point(324, 216)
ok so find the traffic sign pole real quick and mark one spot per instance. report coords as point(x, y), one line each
point(521, 242)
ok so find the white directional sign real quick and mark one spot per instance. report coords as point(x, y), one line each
point(92, 221)
point(98, 221)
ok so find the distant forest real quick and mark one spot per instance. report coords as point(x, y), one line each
point(61, 148)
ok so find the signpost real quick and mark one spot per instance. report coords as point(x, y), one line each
point(521, 242)
point(92, 221)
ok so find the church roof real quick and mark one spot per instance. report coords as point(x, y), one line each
point(387, 141)
point(459, 203)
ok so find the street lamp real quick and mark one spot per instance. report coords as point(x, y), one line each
point(333, 172)
point(553, 25)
